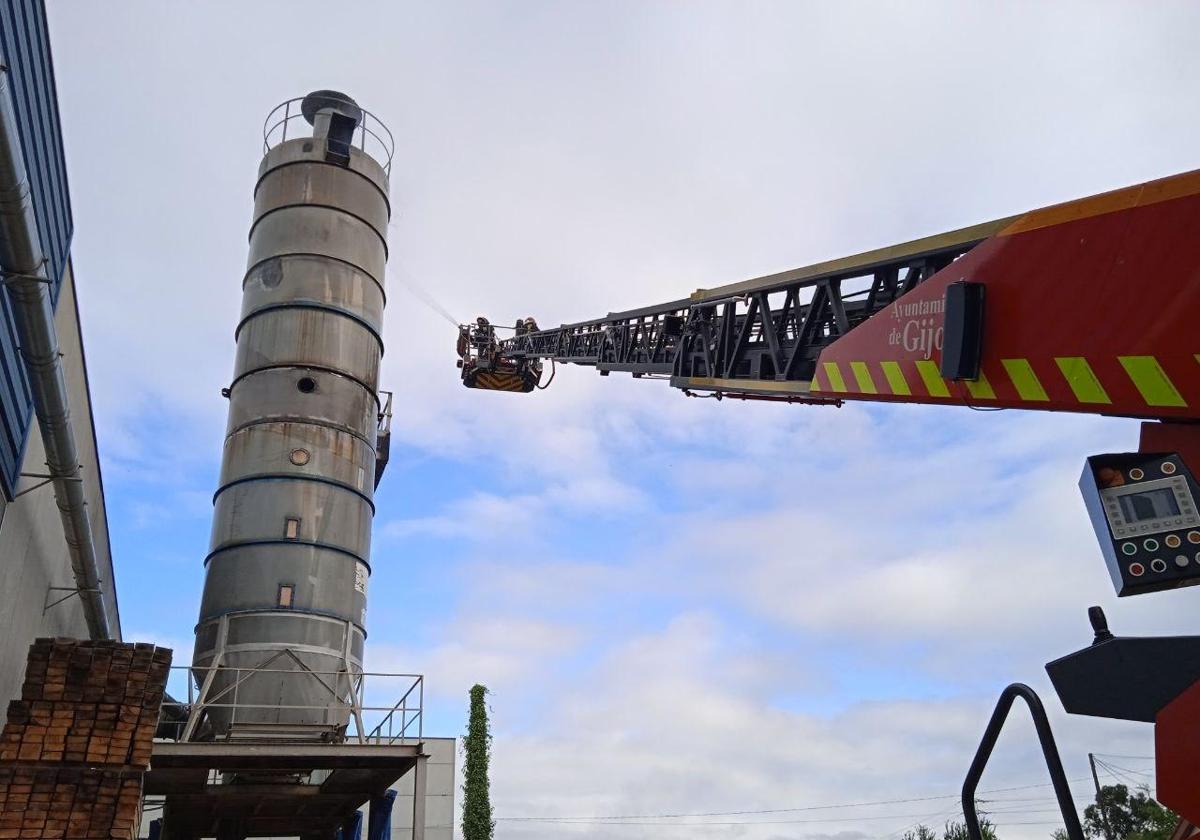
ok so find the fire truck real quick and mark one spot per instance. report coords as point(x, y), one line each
point(1090, 306)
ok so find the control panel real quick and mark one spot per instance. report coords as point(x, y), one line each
point(1143, 508)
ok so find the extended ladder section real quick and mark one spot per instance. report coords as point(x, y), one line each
point(1084, 306)
point(757, 338)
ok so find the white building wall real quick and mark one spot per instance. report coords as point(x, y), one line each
point(440, 784)
point(33, 549)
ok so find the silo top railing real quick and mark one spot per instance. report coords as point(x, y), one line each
point(371, 136)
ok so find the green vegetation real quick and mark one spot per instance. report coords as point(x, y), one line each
point(1121, 815)
point(953, 831)
point(958, 830)
point(478, 823)
point(1135, 816)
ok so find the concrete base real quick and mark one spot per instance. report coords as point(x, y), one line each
point(265, 800)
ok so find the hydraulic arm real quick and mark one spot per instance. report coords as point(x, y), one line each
point(1089, 306)
point(719, 340)
point(1086, 306)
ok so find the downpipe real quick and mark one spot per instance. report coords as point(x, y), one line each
point(25, 276)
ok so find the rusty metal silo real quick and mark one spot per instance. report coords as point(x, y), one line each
point(281, 630)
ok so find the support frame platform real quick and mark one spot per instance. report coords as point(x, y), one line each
point(199, 800)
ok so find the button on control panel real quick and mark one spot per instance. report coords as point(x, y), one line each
point(1143, 509)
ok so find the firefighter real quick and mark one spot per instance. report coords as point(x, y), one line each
point(483, 332)
point(484, 339)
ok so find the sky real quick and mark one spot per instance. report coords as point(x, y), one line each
point(680, 606)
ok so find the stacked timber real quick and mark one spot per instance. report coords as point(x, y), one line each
point(75, 746)
point(69, 802)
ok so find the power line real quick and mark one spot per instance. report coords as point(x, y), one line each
point(1129, 770)
point(987, 812)
point(1032, 799)
point(1135, 757)
point(953, 813)
point(822, 820)
point(1133, 772)
point(1118, 770)
point(1116, 773)
point(733, 813)
point(934, 817)
point(599, 818)
point(1117, 776)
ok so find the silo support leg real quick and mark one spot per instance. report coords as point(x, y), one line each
point(418, 822)
point(355, 698)
point(167, 831)
point(206, 684)
point(231, 829)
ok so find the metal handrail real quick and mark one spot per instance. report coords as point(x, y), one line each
point(385, 414)
point(383, 145)
point(1062, 790)
point(400, 706)
point(347, 692)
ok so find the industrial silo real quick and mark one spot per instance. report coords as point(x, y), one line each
point(285, 596)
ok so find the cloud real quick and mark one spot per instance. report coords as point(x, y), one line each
point(663, 726)
point(711, 606)
point(658, 152)
point(481, 516)
point(500, 652)
point(937, 554)
point(186, 504)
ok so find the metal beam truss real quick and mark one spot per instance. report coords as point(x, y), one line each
point(742, 340)
point(342, 697)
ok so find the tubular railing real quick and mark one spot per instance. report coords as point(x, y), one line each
point(401, 707)
point(385, 414)
point(222, 690)
point(1062, 790)
point(370, 136)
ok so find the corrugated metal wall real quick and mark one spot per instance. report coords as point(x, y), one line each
point(25, 52)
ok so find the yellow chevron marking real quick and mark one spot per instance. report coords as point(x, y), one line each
point(932, 377)
point(862, 375)
point(981, 388)
point(834, 374)
point(896, 380)
point(499, 382)
point(1152, 381)
point(1029, 387)
point(1082, 379)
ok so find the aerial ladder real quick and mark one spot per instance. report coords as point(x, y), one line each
point(1091, 306)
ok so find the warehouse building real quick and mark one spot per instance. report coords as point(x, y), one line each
point(52, 584)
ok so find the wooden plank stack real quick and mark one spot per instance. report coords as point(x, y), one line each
point(75, 746)
point(69, 802)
